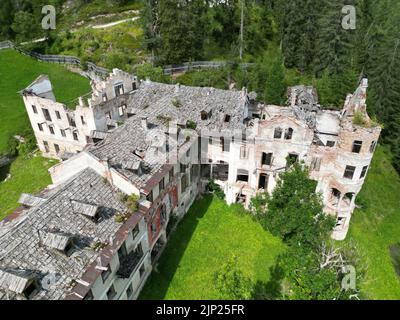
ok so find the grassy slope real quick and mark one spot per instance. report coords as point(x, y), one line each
point(28, 176)
point(209, 233)
point(377, 226)
point(18, 71)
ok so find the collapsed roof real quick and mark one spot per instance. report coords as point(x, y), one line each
point(33, 241)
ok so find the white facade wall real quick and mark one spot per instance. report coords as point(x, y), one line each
point(100, 287)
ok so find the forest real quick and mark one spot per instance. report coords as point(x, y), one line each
point(288, 42)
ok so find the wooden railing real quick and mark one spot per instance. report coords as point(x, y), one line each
point(61, 59)
point(103, 72)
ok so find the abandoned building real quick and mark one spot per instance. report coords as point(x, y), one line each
point(81, 238)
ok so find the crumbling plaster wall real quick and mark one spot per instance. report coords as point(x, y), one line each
point(67, 144)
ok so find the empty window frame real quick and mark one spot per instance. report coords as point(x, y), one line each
point(266, 159)
point(161, 185)
point(335, 197)
point(288, 134)
point(104, 97)
point(139, 249)
point(111, 293)
point(242, 175)
point(291, 159)
point(278, 133)
point(149, 197)
point(349, 172)
point(204, 115)
point(122, 252)
point(83, 120)
point(184, 183)
point(372, 146)
point(105, 274)
point(46, 114)
point(119, 90)
point(75, 135)
point(135, 231)
point(51, 129)
point(63, 133)
point(340, 222)
point(330, 143)
point(121, 111)
point(142, 270)
point(46, 146)
point(363, 172)
point(263, 181)
point(222, 144)
point(183, 167)
point(40, 126)
point(71, 121)
point(58, 115)
point(129, 291)
point(227, 118)
point(357, 145)
point(57, 148)
point(34, 109)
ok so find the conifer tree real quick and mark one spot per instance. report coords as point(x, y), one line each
point(181, 30)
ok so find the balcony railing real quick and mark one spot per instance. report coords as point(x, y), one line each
point(129, 263)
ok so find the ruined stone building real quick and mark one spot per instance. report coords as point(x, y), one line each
point(82, 238)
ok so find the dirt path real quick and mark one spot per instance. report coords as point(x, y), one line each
point(112, 24)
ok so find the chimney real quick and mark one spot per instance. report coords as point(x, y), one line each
point(144, 123)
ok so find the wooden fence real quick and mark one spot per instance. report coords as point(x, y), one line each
point(69, 60)
point(187, 66)
point(103, 72)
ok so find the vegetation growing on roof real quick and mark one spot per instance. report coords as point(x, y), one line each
point(191, 125)
point(132, 202)
point(359, 119)
point(122, 217)
point(176, 103)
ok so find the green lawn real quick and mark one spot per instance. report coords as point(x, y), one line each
point(18, 71)
point(377, 227)
point(210, 233)
point(27, 176)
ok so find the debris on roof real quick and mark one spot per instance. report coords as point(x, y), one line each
point(30, 200)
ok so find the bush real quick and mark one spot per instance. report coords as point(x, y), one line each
point(214, 188)
point(191, 125)
point(232, 283)
point(132, 202)
point(359, 119)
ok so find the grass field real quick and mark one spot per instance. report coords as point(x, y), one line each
point(376, 228)
point(28, 176)
point(18, 71)
point(206, 237)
